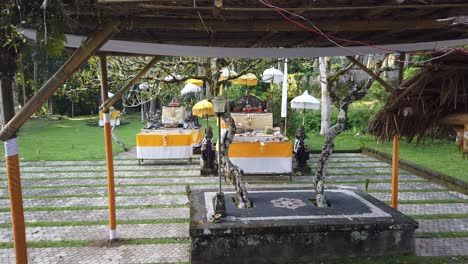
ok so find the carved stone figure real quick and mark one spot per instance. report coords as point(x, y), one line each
point(191, 121)
point(301, 149)
point(208, 151)
point(231, 171)
point(154, 121)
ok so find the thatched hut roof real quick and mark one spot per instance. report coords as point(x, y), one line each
point(417, 107)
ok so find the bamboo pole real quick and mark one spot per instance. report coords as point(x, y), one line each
point(109, 102)
point(80, 56)
point(396, 150)
point(109, 158)
point(13, 174)
point(396, 142)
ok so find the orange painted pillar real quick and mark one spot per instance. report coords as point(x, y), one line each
point(395, 170)
point(16, 200)
point(109, 157)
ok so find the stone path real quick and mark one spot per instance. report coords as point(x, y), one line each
point(65, 207)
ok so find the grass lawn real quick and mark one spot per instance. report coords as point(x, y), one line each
point(73, 139)
point(437, 155)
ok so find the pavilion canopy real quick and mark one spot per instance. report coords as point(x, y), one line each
point(240, 23)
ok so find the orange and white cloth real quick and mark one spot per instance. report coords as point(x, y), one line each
point(262, 157)
point(164, 146)
point(113, 116)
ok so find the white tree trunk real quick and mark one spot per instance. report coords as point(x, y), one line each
point(324, 66)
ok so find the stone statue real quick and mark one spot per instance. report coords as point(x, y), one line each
point(301, 149)
point(191, 121)
point(208, 151)
point(154, 121)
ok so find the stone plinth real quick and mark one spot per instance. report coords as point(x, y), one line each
point(284, 226)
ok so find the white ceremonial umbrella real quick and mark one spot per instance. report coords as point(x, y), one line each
point(190, 88)
point(305, 101)
point(272, 75)
point(169, 78)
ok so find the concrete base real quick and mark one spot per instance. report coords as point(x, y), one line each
point(284, 226)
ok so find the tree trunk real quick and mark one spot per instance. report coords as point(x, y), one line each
point(36, 81)
point(324, 65)
point(355, 92)
point(23, 81)
point(231, 171)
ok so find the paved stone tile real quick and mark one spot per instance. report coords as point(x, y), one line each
point(96, 232)
point(332, 178)
point(424, 209)
point(355, 164)
point(165, 253)
point(101, 201)
point(98, 190)
point(442, 246)
point(99, 215)
point(357, 170)
point(388, 186)
point(102, 168)
point(76, 175)
point(349, 159)
point(442, 225)
point(118, 181)
point(411, 196)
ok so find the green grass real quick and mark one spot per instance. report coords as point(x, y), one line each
point(97, 195)
point(439, 216)
point(71, 138)
point(437, 155)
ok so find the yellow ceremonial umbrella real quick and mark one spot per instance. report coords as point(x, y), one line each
point(197, 82)
point(248, 79)
point(203, 108)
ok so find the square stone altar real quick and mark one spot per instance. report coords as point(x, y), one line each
point(284, 226)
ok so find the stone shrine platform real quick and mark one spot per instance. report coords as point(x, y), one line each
point(284, 226)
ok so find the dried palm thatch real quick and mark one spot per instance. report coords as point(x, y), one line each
point(416, 108)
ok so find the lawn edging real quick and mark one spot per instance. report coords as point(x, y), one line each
point(447, 180)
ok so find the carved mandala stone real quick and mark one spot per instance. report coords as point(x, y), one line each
point(288, 203)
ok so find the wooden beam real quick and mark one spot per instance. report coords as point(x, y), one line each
point(267, 25)
point(363, 67)
point(263, 39)
point(111, 101)
point(81, 55)
point(293, 9)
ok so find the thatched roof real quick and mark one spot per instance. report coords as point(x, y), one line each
point(242, 23)
point(438, 90)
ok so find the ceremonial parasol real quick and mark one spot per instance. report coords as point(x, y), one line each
point(197, 82)
point(305, 101)
point(272, 75)
point(203, 108)
point(190, 88)
point(248, 79)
